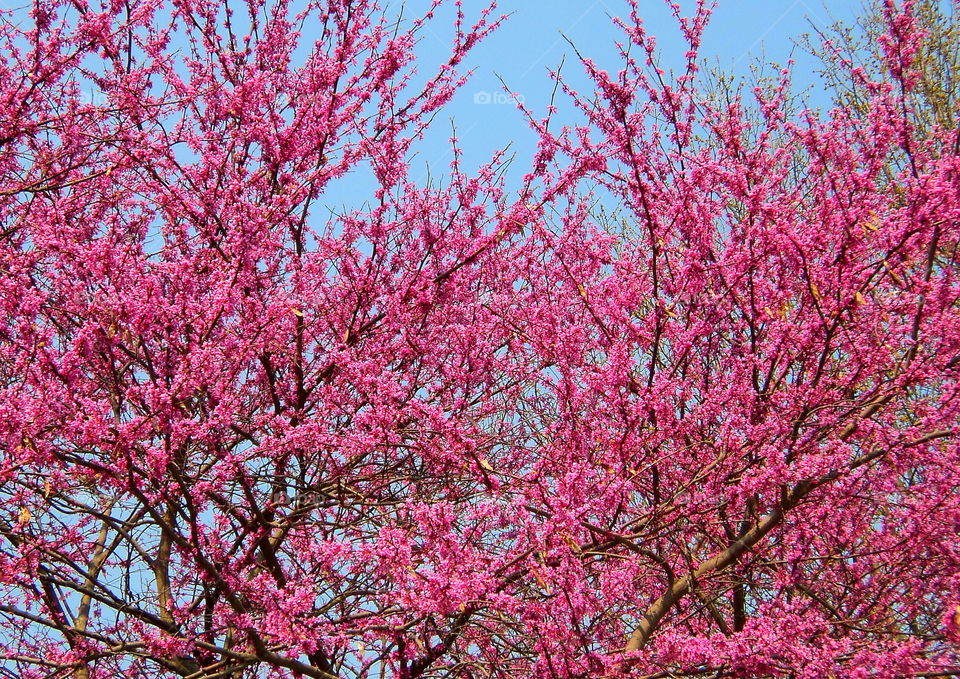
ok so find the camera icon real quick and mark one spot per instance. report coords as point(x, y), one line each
point(482, 97)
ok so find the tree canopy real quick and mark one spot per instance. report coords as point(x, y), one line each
point(468, 429)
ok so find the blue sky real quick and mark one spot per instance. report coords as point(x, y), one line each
point(531, 41)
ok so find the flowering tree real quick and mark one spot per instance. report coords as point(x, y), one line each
point(462, 430)
point(933, 93)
